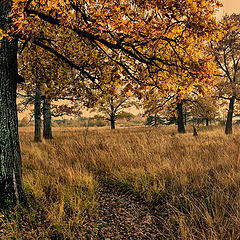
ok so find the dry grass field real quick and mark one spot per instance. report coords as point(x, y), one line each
point(191, 184)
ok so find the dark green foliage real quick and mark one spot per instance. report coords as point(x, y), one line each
point(156, 121)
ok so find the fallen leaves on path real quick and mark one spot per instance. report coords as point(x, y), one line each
point(121, 216)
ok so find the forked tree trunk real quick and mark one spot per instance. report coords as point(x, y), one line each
point(10, 158)
point(228, 128)
point(47, 124)
point(37, 116)
point(113, 119)
point(180, 119)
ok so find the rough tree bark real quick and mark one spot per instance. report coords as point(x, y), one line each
point(10, 157)
point(228, 128)
point(47, 124)
point(37, 116)
point(180, 119)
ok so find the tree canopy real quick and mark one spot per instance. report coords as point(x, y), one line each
point(159, 44)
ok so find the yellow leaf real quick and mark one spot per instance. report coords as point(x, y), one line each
point(2, 34)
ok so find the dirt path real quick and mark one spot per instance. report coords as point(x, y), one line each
point(121, 216)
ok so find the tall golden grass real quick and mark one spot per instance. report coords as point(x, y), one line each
point(191, 183)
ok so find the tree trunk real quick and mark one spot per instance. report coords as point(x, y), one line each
point(10, 157)
point(113, 121)
point(180, 121)
point(155, 120)
point(37, 115)
point(207, 122)
point(47, 125)
point(228, 128)
point(194, 131)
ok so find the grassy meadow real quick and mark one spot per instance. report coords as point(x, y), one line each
point(192, 184)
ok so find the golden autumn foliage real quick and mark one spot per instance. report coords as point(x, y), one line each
point(158, 44)
point(204, 108)
point(226, 53)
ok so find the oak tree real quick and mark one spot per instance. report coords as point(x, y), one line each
point(227, 56)
point(111, 108)
point(204, 108)
point(155, 43)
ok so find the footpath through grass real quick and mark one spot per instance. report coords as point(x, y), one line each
point(190, 183)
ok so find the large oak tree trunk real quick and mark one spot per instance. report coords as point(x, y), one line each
point(113, 119)
point(47, 124)
point(37, 115)
point(10, 158)
point(228, 128)
point(180, 119)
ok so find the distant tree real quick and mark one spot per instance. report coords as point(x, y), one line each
point(153, 106)
point(37, 115)
point(156, 121)
point(24, 122)
point(110, 108)
point(204, 108)
point(153, 120)
point(227, 56)
point(43, 73)
point(42, 107)
point(166, 107)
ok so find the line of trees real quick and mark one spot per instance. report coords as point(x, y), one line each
point(154, 46)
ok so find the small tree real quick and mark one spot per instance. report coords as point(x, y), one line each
point(24, 122)
point(204, 108)
point(37, 115)
point(166, 107)
point(110, 108)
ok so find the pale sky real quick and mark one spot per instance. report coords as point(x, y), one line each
point(230, 6)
